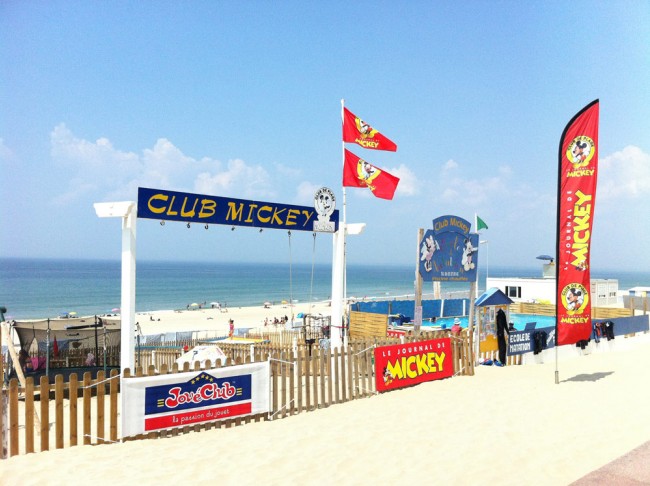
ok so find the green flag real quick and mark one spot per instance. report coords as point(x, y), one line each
point(480, 224)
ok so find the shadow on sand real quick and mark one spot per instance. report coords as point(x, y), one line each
point(590, 376)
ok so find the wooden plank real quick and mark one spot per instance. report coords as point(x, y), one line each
point(101, 414)
point(292, 388)
point(343, 375)
point(87, 395)
point(30, 413)
point(315, 353)
point(321, 361)
point(283, 387)
point(274, 385)
point(13, 418)
point(114, 390)
point(73, 390)
point(307, 382)
point(58, 411)
point(298, 372)
point(350, 356)
point(45, 413)
point(328, 360)
point(335, 378)
point(355, 361)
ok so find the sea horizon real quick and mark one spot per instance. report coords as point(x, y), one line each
point(35, 288)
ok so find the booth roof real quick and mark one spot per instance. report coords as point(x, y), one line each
point(493, 296)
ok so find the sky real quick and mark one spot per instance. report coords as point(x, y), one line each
point(243, 99)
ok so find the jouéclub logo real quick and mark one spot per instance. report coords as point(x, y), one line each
point(200, 399)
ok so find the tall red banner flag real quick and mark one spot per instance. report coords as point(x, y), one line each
point(359, 173)
point(355, 130)
point(577, 175)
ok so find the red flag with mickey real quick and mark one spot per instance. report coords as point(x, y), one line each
point(355, 130)
point(359, 173)
point(577, 175)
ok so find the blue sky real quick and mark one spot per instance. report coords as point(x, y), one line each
point(242, 99)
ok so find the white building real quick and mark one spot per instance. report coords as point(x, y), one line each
point(604, 292)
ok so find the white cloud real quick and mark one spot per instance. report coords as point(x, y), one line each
point(624, 175)
point(247, 181)
point(305, 193)
point(408, 181)
point(100, 169)
point(450, 165)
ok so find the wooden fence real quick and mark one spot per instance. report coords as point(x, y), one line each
point(549, 310)
point(303, 379)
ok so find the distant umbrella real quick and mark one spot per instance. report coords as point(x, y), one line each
point(72, 313)
point(546, 257)
point(115, 309)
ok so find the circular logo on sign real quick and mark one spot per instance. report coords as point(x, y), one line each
point(575, 298)
point(580, 151)
point(324, 202)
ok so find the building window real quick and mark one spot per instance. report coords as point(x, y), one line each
point(514, 292)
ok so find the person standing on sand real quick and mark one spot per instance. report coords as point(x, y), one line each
point(502, 330)
point(231, 328)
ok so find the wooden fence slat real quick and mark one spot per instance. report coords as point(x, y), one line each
point(114, 390)
point(101, 393)
point(58, 411)
point(13, 418)
point(298, 373)
point(308, 382)
point(45, 413)
point(335, 377)
point(292, 387)
point(323, 397)
point(283, 388)
point(274, 384)
point(87, 395)
point(29, 415)
point(315, 358)
point(73, 390)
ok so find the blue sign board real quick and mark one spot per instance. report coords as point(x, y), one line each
point(163, 205)
point(448, 252)
point(520, 342)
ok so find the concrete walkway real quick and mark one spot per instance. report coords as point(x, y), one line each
point(631, 469)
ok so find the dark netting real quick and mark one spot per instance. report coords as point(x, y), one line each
point(72, 337)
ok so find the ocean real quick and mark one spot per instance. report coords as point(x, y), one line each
point(40, 288)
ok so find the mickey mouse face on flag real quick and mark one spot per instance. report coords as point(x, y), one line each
point(580, 151)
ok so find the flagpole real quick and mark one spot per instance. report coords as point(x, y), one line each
point(477, 341)
point(345, 229)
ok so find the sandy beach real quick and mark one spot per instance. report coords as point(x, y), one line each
point(208, 319)
point(509, 425)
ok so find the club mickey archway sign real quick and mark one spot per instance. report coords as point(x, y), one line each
point(167, 205)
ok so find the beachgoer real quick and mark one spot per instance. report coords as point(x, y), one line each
point(25, 361)
point(502, 330)
point(231, 328)
point(456, 328)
